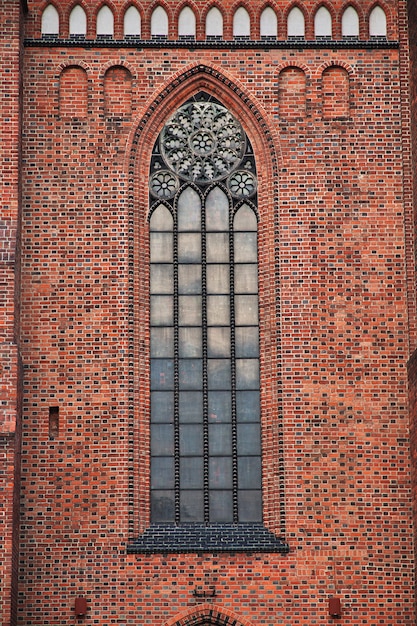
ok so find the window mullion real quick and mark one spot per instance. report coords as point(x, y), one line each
point(177, 507)
point(206, 451)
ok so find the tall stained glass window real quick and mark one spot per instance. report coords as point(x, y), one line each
point(205, 406)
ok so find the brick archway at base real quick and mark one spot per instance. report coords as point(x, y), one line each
point(207, 615)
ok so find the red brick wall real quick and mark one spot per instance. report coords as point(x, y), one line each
point(10, 374)
point(334, 334)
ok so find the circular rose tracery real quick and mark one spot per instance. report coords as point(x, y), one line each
point(202, 142)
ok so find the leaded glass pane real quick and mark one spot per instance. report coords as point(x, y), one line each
point(161, 219)
point(217, 210)
point(191, 472)
point(191, 440)
point(250, 505)
point(220, 439)
point(249, 472)
point(247, 406)
point(190, 374)
point(190, 343)
point(245, 219)
point(217, 245)
point(162, 279)
point(247, 374)
point(162, 406)
point(247, 341)
point(189, 310)
point(162, 439)
point(219, 406)
point(218, 310)
point(189, 210)
point(246, 310)
point(163, 505)
point(162, 472)
point(248, 439)
point(245, 250)
point(192, 506)
point(189, 247)
point(162, 310)
point(162, 374)
point(191, 406)
point(162, 247)
point(218, 341)
point(246, 278)
point(162, 341)
point(220, 472)
point(221, 507)
point(218, 279)
point(189, 279)
point(219, 373)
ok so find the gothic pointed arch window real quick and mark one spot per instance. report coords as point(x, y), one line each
point(204, 322)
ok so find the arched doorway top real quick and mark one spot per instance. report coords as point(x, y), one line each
point(208, 615)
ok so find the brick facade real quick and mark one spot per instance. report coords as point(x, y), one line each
point(329, 123)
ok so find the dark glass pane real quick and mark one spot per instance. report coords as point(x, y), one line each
point(190, 373)
point(221, 507)
point(161, 219)
point(191, 473)
point(191, 506)
point(218, 342)
point(245, 248)
point(190, 342)
point(162, 342)
point(162, 248)
point(248, 406)
point(246, 278)
point(162, 439)
point(189, 247)
point(162, 374)
point(162, 472)
point(191, 406)
point(191, 439)
point(162, 278)
point(217, 210)
point(250, 506)
point(246, 310)
point(247, 374)
point(245, 219)
point(219, 374)
point(218, 279)
point(162, 506)
point(249, 472)
point(220, 439)
point(220, 406)
point(247, 341)
point(217, 245)
point(218, 310)
point(189, 210)
point(162, 406)
point(162, 310)
point(189, 310)
point(220, 472)
point(189, 278)
point(248, 439)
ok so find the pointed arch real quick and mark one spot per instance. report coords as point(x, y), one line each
point(268, 22)
point(132, 21)
point(296, 22)
point(208, 614)
point(377, 22)
point(241, 22)
point(322, 22)
point(159, 22)
point(214, 22)
point(78, 21)
point(50, 20)
point(350, 22)
point(105, 21)
point(186, 22)
point(265, 143)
